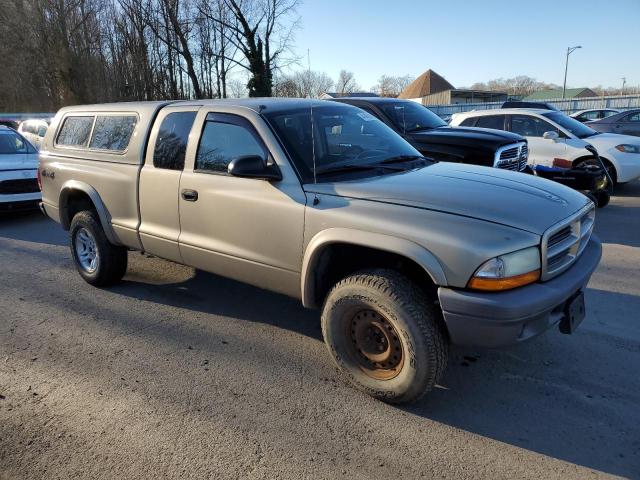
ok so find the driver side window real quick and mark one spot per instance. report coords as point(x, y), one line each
point(531, 126)
point(223, 142)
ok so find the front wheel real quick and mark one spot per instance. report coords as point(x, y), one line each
point(99, 262)
point(602, 198)
point(611, 170)
point(385, 335)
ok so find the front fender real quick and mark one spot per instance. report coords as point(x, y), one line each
point(400, 246)
point(71, 186)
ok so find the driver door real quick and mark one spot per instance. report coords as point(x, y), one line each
point(248, 229)
point(542, 151)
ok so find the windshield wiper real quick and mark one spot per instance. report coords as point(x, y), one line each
point(371, 166)
point(354, 166)
point(402, 158)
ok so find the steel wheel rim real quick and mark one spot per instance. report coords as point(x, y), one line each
point(375, 345)
point(86, 250)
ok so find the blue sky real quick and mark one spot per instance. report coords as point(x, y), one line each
point(471, 41)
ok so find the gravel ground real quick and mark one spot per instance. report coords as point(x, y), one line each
point(177, 373)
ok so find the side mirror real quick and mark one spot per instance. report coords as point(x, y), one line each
point(551, 136)
point(42, 131)
point(253, 166)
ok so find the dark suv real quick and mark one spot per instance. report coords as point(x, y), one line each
point(432, 137)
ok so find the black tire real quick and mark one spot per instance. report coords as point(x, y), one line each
point(401, 319)
point(611, 170)
point(110, 262)
point(602, 198)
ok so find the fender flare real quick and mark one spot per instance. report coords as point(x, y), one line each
point(103, 214)
point(388, 243)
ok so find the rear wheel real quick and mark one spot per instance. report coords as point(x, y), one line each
point(385, 335)
point(99, 262)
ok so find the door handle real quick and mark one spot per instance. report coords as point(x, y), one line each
point(190, 195)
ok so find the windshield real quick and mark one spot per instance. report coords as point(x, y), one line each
point(343, 136)
point(11, 144)
point(412, 117)
point(575, 127)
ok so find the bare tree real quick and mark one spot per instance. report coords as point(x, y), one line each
point(175, 30)
point(237, 88)
point(346, 83)
point(263, 34)
point(519, 85)
point(303, 84)
point(390, 86)
point(84, 51)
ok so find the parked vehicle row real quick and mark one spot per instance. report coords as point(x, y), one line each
point(323, 202)
point(552, 135)
point(625, 123)
point(432, 137)
point(490, 147)
point(593, 114)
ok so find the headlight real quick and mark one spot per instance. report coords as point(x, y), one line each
point(508, 271)
point(626, 148)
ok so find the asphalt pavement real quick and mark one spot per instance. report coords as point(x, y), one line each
point(176, 373)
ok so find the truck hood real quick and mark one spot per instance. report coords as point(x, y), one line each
point(19, 161)
point(508, 198)
point(469, 136)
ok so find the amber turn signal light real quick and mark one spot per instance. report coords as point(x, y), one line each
point(500, 284)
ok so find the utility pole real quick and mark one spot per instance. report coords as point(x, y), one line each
point(566, 66)
point(624, 82)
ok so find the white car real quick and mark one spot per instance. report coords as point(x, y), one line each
point(556, 139)
point(34, 131)
point(18, 172)
point(593, 114)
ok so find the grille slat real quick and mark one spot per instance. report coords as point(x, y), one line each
point(559, 236)
point(22, 185)
point(563, 245)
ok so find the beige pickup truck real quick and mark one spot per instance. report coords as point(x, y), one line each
point(322, 202)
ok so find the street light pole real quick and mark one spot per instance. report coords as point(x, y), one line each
point(566, 66)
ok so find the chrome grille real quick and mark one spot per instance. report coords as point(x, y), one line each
point(512, 157)
point(563, 243)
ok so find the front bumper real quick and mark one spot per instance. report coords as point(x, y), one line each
point(12, 200)
point(627, 165)
point(19, 206)
point(19, 201)
point(499, 319)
